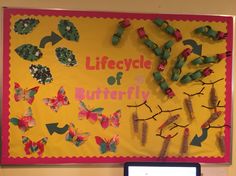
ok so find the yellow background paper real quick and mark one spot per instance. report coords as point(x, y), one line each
point(95, 41)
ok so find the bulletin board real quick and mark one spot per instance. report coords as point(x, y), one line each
point(105, 87)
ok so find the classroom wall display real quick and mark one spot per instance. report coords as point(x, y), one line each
point(101, 87)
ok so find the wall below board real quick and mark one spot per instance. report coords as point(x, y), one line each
point(227, 7)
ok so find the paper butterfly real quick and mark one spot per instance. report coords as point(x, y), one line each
point(56, 102)
point(25, 122)
point(114, 120)
point(25, 94)
point(107, 145)
point(75, 137)
point(91, 115)
point(32, 147)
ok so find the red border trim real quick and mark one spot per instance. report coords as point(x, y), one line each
point(6, 50)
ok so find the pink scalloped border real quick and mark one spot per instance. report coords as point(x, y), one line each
point(7, 12)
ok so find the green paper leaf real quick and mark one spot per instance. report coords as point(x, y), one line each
point(25, 26)
point(29, 52)
point(66, 56)
point(68, 30)
point(41, 73)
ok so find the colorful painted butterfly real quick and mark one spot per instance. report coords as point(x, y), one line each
point(75, 137)
point(25, 122)
point(56, 102)
point(91, 115)
point(32, 147)
point(107, 145)
point(113, 120)
point(25, 94)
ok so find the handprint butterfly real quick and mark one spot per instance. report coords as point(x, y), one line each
point(56, 102)
point(25, 122)
point(75, 137)
point(34, 147)
point(107, 144)
point(113, 120)
point(25, 94)
point(91, 115)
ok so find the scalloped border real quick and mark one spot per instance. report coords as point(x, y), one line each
point(7, 12)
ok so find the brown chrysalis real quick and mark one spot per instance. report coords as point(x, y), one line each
point(165, 146)
point(184, 146)
point(144, 133)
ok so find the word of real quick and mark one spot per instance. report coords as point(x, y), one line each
point(111, 80)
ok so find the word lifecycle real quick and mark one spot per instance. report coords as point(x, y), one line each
point(126, 64)
point(131, 92)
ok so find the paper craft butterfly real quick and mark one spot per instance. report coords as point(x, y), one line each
point(32, 147)
point(107, 144)
point(113, 120)
point(25, 94)
point(56, 102)
point(91, 115)
point(75, 137)
point(25, 122)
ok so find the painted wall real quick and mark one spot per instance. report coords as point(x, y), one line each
point(226, 7)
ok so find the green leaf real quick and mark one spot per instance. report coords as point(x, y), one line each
point(25, 26)
point(68, 30)
point(66, 56)
point(29, 52)
point(41, 73)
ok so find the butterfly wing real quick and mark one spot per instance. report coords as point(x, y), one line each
point(52, 103)
point(71, 132)
point(113, 143)
point(102, 143)
point(81, 138)
point(19, 92)
point(28, 145)
point(75, 137)
point(92, 116)
point(27, 121)
point(40, 145)
point(104, 121)
point(28, 112)
point(61, 97)
point(29, 94)
point(83, 111)
point(115, 119)
point(56, 102)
